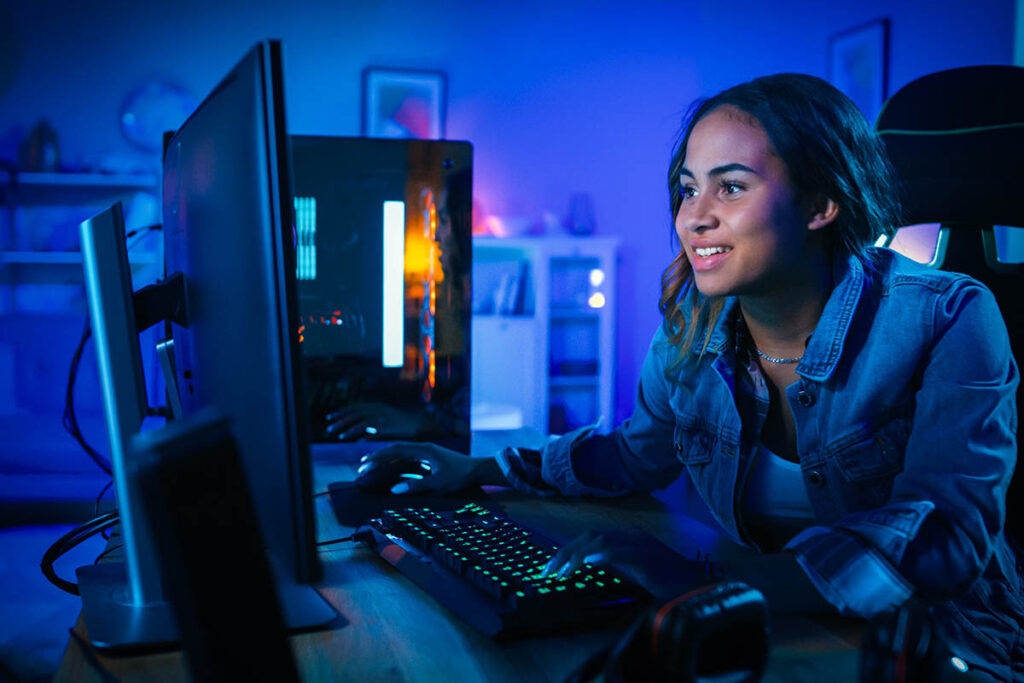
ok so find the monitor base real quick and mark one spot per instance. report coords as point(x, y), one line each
point(117, 626)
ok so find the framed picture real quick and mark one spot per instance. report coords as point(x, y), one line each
point(858, 64)
point(403, 103)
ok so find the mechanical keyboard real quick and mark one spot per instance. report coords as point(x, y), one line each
point(487, 569)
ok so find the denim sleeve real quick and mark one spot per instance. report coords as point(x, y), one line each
point(937, 533)
point(637, 456)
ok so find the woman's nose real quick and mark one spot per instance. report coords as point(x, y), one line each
point(695, 216)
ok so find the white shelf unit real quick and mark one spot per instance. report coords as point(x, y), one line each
point(42, 298)
point(544, 328)
point(39, 228)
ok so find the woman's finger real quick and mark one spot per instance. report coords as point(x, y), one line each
point(570, 556)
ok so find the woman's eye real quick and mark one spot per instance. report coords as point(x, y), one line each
point(731, 187)
point(688, 191)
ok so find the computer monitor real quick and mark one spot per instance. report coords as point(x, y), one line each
point(227, 217)
point(228, 227)
point(384, 242)
point(108, 284)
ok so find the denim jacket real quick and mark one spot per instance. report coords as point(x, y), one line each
point(906, 421)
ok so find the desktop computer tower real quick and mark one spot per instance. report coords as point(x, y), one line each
point(384, 249)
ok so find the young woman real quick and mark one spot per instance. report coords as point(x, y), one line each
point(838, 407)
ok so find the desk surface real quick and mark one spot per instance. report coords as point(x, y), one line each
point(397, 632)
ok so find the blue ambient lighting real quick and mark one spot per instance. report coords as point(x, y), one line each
point(394, 284)
point(959, 664)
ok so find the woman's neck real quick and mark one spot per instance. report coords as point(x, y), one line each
point(780, 321)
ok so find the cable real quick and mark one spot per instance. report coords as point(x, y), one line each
point(69, 420)
point(99, 498)
point(107, 552)
point(359, 536)
point(142, 232)
point(69, 541)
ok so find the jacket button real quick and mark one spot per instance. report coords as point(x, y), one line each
point(805, 398)
point(815, 478)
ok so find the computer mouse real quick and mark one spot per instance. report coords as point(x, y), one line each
point(381, 477)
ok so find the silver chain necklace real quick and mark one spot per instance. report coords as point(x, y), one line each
point(780, 361)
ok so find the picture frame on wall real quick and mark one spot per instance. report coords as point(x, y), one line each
point(858, 64)
point(404, 103)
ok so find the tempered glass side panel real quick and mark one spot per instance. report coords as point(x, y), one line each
point(366, 350)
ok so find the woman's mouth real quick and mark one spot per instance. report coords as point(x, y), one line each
point(704, 252)
point(708, 258)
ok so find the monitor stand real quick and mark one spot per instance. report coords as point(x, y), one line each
point(115, 625)
point(212, 577)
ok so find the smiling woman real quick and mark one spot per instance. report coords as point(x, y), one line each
point(817, 160)
point(810, 386)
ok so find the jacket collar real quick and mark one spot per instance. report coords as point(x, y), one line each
point(826, 344)
point(827, 341)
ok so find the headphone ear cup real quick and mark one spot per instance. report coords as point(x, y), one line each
point(716, 629)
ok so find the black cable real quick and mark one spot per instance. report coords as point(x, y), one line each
point(358, 536)
point(336, 540)
point(143, 230)
point(69, 420)
point(99, 498)
point(69, 541)
point(107, 551)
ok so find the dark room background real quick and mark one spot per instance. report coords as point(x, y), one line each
point(557, 98)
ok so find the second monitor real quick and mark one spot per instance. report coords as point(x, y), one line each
point(384, 249)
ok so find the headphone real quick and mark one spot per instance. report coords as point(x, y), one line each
point(717, 629)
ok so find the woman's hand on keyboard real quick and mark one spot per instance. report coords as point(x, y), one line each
point(443, 470)
point(636, 554)
point(625, 549)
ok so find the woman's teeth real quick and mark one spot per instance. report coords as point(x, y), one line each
point(708, 251)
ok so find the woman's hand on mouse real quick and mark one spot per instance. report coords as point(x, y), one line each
point(450, 470)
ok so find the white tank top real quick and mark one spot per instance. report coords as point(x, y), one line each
point(775, 501)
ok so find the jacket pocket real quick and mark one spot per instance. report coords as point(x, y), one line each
point(693, 442)
point(879, 455)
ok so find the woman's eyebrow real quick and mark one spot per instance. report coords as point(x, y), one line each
point(719, 170)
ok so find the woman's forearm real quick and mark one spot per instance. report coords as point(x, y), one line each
point(487, 472)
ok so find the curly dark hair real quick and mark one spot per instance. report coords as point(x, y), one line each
point(828, 148)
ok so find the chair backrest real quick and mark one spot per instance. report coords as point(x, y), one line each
point(956, 139)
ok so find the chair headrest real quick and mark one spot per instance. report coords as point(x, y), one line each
point(956, 139)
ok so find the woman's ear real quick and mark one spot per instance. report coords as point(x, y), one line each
point(823, 212)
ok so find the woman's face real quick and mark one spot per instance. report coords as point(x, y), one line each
point(740, 222)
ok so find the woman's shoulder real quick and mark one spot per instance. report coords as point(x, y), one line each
point(945, 297)
point(895, 273)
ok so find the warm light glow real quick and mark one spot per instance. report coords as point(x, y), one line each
point(393, 272)
point(596, 300)
point(596, 277)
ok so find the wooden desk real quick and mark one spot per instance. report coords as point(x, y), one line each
point(397, 632)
